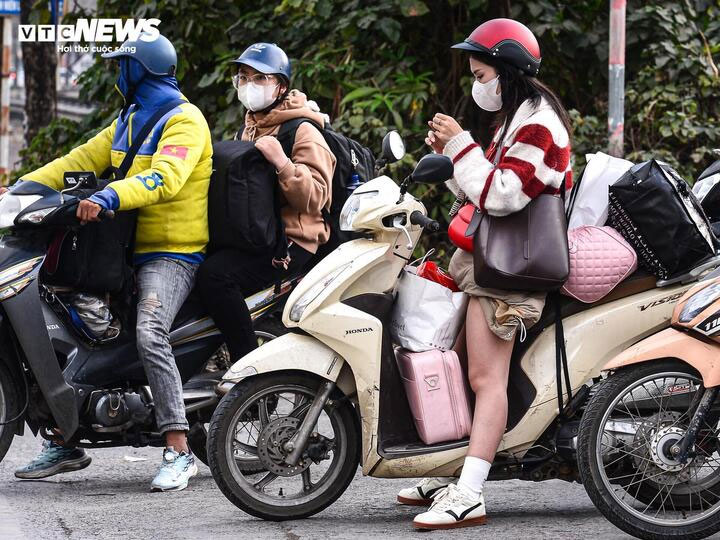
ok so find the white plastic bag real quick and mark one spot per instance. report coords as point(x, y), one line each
point(590, 206)
point(426, 315)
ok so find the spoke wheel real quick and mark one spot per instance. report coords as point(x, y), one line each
point(625, 442)
point(256, 419)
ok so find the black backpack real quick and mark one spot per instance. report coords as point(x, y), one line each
point(355, 165)
point(97, 257)
point(244, 201)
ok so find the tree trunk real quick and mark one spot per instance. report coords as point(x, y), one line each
point(39, 62)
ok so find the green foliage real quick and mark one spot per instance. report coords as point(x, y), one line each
point(58, 138)
point(672, 99)
point(375, 65)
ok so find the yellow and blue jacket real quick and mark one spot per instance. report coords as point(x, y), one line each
point(168, 179)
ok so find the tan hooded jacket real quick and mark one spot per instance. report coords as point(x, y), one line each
point(306, 181)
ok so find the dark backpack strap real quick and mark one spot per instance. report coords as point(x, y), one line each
point(281, 242)
point(239, 132)
point(286, 137)
point(288, 130)
point(121, 171)
point(561, 362)
point(573, 195)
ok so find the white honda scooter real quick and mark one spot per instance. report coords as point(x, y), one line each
point(303, 410)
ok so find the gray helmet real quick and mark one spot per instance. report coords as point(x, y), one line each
point(157, 56)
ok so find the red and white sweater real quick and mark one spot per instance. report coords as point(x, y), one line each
point(535, 159)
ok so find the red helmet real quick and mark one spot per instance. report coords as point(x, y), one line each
point(507, 40)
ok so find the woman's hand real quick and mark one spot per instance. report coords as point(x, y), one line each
point(444, 128)
point(432, 141)
point(273, 151)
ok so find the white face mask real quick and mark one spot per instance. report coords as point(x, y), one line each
point(255, 97)
point(486, 96)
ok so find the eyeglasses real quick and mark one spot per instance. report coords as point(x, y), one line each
point(260, 79)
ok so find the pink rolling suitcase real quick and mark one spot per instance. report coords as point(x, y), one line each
point(438, 394)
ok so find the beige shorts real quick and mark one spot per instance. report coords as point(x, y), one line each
point(505, 311)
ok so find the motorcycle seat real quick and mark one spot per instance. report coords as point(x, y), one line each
point(189, 310)
point(639, 281)
point(194, 307)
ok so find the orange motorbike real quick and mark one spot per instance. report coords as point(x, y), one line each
point(648, 446)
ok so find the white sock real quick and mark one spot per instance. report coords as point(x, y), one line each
point(474, 473)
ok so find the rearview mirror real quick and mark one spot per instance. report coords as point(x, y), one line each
point(433, 169)
point(393, 147)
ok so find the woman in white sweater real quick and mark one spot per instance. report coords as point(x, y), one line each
point(529, 155)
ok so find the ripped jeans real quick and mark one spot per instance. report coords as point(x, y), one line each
point(163, 285)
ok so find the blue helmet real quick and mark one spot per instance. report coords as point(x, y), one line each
point(157, 56)
point(267, 58)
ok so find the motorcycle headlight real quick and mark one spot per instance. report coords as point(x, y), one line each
point(296, 312)
point(699, 302)
point(351, 208)
point(11, 205)
point(35, 217)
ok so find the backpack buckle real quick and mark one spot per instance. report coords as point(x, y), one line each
point(353, 159)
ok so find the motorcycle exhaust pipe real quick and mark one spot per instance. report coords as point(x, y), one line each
point(196, 406)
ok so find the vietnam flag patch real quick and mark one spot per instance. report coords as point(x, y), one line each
point(174, 150)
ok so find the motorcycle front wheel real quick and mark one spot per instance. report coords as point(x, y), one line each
point(268, 410)
point(625, 442)
point(9, 407)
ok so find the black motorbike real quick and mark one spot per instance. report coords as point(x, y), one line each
point(64, 382)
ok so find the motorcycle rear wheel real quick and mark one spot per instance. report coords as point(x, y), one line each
point(632, 419)
point(287, 494)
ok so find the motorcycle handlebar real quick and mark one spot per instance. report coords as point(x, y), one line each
point(418, 218)
point(106, 214)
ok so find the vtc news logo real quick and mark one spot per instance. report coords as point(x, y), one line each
point(92, 30)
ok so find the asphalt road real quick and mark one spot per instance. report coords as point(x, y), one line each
point(111, 499)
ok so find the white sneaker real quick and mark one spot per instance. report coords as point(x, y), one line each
point(175, 471)
point(422, 494)
point(452, 508)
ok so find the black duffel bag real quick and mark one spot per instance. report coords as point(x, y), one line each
point(244, 201)
point(657, 213)
point(95, 257)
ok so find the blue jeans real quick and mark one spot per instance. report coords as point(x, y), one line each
point(163, 285)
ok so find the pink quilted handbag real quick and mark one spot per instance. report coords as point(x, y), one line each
point(600, 258)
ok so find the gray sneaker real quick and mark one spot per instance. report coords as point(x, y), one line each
point(54, 459)
point(175, 471)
